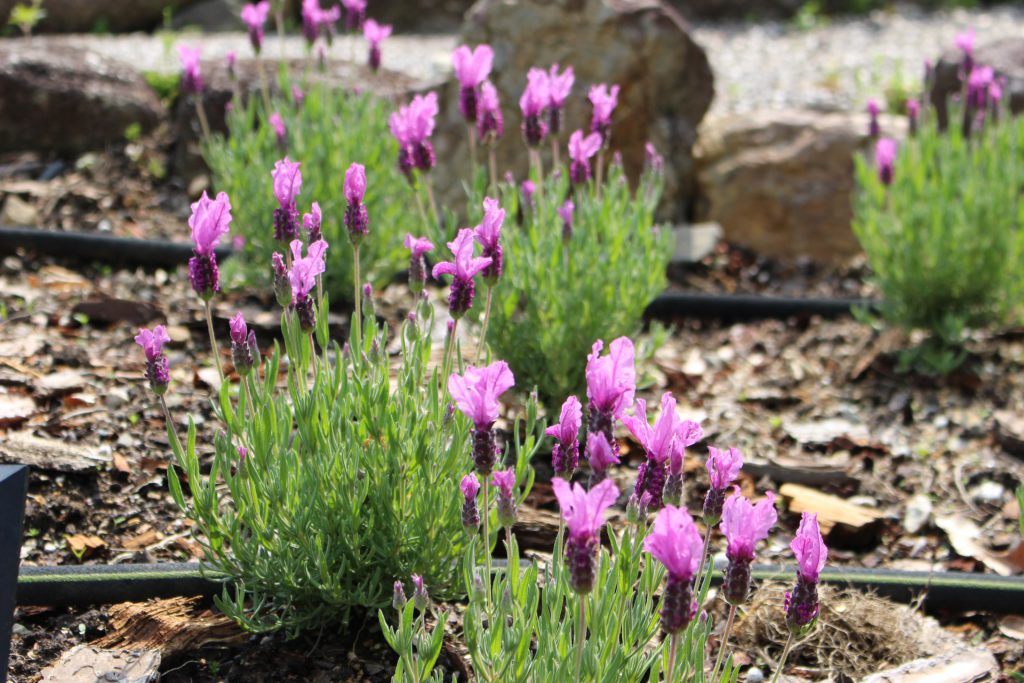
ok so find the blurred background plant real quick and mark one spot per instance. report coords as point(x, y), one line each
point(941, 223)
point(26, 16)
point(327, 131)
point(567, 286)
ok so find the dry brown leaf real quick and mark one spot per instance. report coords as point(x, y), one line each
point(1012, 626)
point(15, 408)
point(963, 536)
point(84, 546)
point(831, 510)
point(121, 463)
point(143, 540)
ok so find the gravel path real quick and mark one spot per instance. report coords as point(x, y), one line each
point(838, 64)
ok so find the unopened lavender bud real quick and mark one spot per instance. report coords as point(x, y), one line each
point(449, 413)
point(152, 342)
point(398, 598)
point(282, 285)
point(479, 590)
point(485, 452)
point(420, 597)
point(580, 556)
point(736, 587)
point(633, 509)
point(204, 275)
point(713, 502)
point(673, 492)
point(305, 310)
point(346, 351)
point(470, 487)
point(505, 482)
point(679, 606)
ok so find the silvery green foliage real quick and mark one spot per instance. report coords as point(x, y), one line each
point(945, 240)
point(329, 130)
point(534, 631)
point(351, 478)
point(558, 296)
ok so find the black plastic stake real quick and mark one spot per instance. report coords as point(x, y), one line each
point(12, 515)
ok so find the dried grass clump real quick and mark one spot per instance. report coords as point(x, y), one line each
point(856, 635)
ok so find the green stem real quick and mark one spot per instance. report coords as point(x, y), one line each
point(433, 203)
point(486, 518)
point(170, 422)
point(581, 637)
point(264, 89)
point(483, 329)
point(555, 158)
point(725, 642)
point(449, 353)
point(785, 656)
point(600, 172)
point(492, 164)
point(357, 316)
point(672, 648)
point(703, 558)
point(213, 339)
point(472, 149)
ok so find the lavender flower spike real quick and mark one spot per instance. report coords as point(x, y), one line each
point(490, 122)
point(277, 123)
point(505, 482)
point(472, 67)
point(355, 14)
point(282, 287)
point(191, 75)
point(476, 394)
point(532, 103)
point(723, 467)
point(565, 212)
point(676, 543)
point(464, 267)
point(581, 149)
point(152, 342)
point(254, 16)
point(658, 442)
point(470, 487)
point(559, 87)
point(811, 553)
point(210, 219)
point(302, 278)
point(565, 456)
point(488, 234)
point(601, 454)
point(244, 350)
point(885, 157)
point(603, 100)
point(356, 219)
point(312, 223)
point(417, 246)
point(874, 130)
point(375, 34)
point(744, 525)
point(287, 178)
point(583, 512)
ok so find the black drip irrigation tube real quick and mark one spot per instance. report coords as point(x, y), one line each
point(82, 585)
point(165, 254)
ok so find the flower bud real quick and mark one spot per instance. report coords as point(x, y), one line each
point(420, 598)
point(398, 598)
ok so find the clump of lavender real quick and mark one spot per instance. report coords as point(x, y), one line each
point(565, 455)
point(287, 178)
point(375, 34)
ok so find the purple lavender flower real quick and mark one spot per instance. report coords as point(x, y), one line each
point(230, 59)
point(152, 343)
point(965, 43)
point(356, 219)
point(210, 219)
point(355, 14)
point(885, 157)
point(254, 16)
point(601, 454)
point(744, 524)
point(913, 112)
point(688, 433)
point(302, 278)
point(287, 178)
point(298, 96)
point(476, 394)
point(277, 123)
point(583, 512)
point(191, 75)
point(420, 598)
point(505, 482)
point(282, 287)
point(470, 487)
point(603, 100)
point(463, 268)
point(398, 599)
point(490, 123)
point(658, 443)
point(565, 455)
point(559, 87)
point(581, 149)
point(652, 159)
point(874, 130)
point(528, 189)
point(488, 234)
point(244, 351)
point(723, 467)
point(471, 69)
point(566, 211)
point(317, 22)
point(676, 543)
point(811, 553)
point(375, 34)
point(532, 103)
point(611, 384)
point(417, 246)
point(411, 126)
point(312, 223)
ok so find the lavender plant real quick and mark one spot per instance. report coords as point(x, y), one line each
point(941, 219)
point(325, 132)
point(331, 470)
point(593, 613)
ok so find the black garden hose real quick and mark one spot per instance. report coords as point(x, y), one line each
point(164, 254)
point(79, 585)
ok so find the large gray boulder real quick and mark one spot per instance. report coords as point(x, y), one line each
point(1006, 57)
point(781, 182)
point(641, 45)
point(64, 100)
point(83, 16)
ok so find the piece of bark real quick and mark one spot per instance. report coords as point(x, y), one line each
point(832, 510)
point(58, 383)
point(535, 529)
point(48, 454)
point(172, 626)
point(16, 408)
point(960, 666)
point(1008, 428)
point(89, 664)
